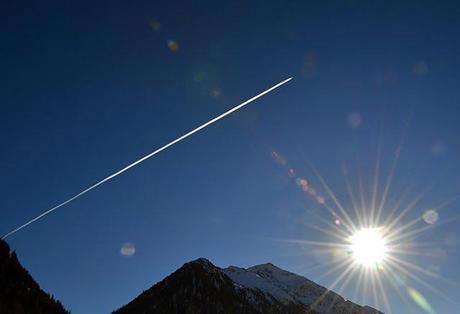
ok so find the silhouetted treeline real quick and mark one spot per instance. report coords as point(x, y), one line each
point(19, 293)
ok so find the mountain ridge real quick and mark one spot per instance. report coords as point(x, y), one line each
point(201, 287)
point(19, 292)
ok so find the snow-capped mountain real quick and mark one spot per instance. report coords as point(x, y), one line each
point(201, 287)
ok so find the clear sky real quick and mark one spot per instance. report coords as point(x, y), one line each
point(88, 87)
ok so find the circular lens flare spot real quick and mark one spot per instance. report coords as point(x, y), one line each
point(368, 247)
point(431, 216)
point(128, 249)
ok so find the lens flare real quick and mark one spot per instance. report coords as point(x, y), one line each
point(420, 300)
point(430, 216)
point(368, 247)
point(128, 249)
point(372, 237)
point(173, 45)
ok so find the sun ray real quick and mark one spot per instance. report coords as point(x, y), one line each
point(410, 252)
point(376, 178)
point(417, 232)
point(424, 283)
point(384, 294)
point(339, 236)
point(387, 275)
point(332, 286)
point(340, 290)
point(366, 282)
point(397, 206)
point(316, 243)
point(386, 188)
point(399, 231)
point(342, 234)
point(347, 280)
point(349, 227)
point(407, 209)
point(374, 290)
point(343, 262)
point(322, 265)
point(414, 267)
point(424, 271)
point(352, 196)
point(334, 198)
point(358, 285)
point(389, 180)
point(363, 200)
point(398, 234)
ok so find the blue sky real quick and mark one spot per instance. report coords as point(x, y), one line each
point(87, 88)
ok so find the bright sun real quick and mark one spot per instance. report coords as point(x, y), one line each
point(368, 247)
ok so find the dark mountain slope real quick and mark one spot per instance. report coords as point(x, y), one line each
point(19, 293)
point(201, 287)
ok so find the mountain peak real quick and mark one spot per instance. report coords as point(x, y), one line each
point(266, 265)
point(201, 287)
point(203, 261)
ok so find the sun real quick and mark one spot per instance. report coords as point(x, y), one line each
point(368, 247)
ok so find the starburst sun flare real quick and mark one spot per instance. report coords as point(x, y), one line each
point(371, 238)
point(368, 247)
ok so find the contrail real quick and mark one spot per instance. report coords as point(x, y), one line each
point(49, 211)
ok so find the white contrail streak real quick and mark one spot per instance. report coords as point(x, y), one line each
point(49, 211)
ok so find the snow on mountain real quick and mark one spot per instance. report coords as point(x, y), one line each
point(288, 288)
point(201, 287)
point(249, 278)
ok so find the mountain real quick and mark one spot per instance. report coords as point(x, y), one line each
point(19, 293)
point(201, 287)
